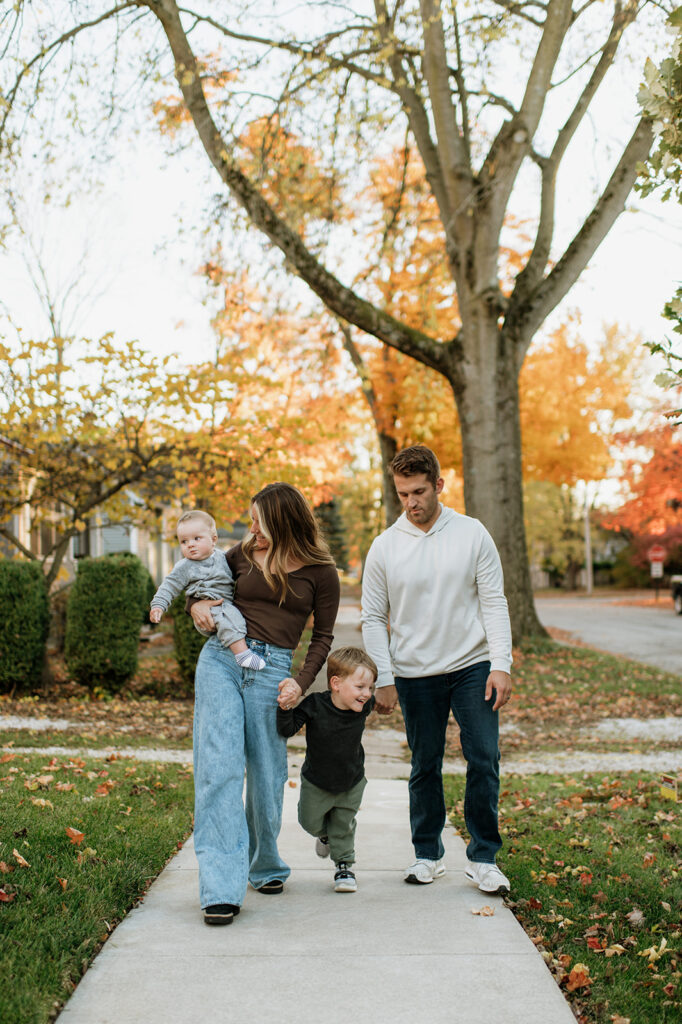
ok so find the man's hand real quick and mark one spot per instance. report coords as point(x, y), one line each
point(289, 692)
point(386, 699)
point(156, 614)
point(502, 684)
point(201, 614)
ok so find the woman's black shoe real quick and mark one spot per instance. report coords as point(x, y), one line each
point(221, 913)
point(272, 888)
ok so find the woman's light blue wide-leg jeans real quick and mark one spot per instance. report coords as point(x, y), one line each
point(235, 730)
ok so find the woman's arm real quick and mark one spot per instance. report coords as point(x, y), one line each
point(325, 608)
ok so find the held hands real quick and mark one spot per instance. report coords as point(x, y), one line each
point(156, 615)
point(201, 615)
point(502, 684)
point(289, 693)
point(386, 699)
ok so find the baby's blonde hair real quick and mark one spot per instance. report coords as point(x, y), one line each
point(198, 513)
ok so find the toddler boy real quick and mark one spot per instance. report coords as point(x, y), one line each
point(333, 773)
point(204, 572)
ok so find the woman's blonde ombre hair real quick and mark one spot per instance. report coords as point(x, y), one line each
point(287, 522)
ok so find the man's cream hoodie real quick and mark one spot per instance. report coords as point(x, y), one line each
point(443, 593)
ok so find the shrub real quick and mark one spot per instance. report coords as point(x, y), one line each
point(24, 608)
point(188, 640)
point(103, 621)
point(626, 573)
point(148, 587)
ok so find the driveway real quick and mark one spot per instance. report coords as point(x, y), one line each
point(649, 634)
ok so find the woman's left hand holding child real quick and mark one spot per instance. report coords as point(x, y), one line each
point(289, 693)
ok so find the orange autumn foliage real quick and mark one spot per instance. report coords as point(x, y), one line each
point(572, 397)
point(653, 478)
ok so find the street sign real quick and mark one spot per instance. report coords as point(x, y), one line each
point(656, 569)
point(656, 553)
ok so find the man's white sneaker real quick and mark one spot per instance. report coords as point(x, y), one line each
point(488, 878)
point(424, 871)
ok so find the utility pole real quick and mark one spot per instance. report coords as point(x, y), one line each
point(588, 547)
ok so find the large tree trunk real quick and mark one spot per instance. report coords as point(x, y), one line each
point(486, 390)
point(389, 449)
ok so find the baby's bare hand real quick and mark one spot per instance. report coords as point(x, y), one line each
point(155, 615)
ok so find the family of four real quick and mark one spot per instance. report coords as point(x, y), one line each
point(436, 631)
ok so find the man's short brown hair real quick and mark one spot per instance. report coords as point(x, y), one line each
point(344, 660)
point(415, 460)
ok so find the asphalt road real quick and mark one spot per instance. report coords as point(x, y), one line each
point(649, 634)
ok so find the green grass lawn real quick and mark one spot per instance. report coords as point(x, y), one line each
point(595, 865)
point(80, 843)
point(560, 693)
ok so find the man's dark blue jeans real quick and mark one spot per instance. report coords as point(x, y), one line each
point(426, 704)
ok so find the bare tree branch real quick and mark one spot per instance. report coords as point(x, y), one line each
point(568, 269)
point(336, 296)
point(49, 50)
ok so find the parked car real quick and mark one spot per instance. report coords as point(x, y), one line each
point(676, 586)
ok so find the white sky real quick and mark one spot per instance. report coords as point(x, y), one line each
point(142, 274)
point(144, 284)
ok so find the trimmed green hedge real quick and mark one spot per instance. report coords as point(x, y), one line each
point(187, 639)
point(103, 621)
point(24, 610)
point(148, 588)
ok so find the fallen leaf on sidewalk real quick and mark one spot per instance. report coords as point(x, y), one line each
point(483, 911)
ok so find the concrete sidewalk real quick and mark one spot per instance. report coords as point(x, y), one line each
point(389, 954)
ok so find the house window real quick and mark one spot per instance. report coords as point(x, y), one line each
point(81, 544)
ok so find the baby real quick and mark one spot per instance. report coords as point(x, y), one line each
point(204, 572)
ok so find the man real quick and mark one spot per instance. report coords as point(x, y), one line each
point(436, 576)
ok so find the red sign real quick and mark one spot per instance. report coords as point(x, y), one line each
point(656, 553)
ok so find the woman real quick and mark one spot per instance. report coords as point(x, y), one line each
point(283, 572)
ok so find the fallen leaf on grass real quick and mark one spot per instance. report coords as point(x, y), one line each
point(62, 881)
point(615, 950)
point(38, 801)
point(4, 868)
point(578, 978)
point(635, 917)
point(20, 860)
point(65, 787)
point(649, 859)
point(6, 897)
point(670, 989)
point(617, 1019)
point(666, 906)
point(7, 757)
point(654, 953)
point(75, 836)
point(483, 911)
point(87, 854)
